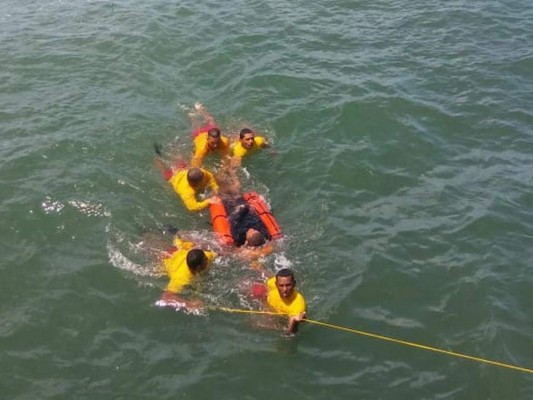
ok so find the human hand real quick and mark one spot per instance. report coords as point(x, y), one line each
point(294, 321)
point(297, 318)
point(214, 200)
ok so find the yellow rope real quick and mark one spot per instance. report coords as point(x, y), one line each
point(390, 339)
point(242, 311)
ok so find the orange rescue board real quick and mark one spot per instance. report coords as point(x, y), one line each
point(261, 208)
point(221, 225)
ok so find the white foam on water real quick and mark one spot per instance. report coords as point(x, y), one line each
point(50, 206)
point(246, 173)
point(281, 261)
point(90, 208)
point(181, 307)
point(122, 182)
point(120, 261)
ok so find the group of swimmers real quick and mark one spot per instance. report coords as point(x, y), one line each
point(186, 260)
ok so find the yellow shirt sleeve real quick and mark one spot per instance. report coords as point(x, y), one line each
point(191, 203)
point(187, 193)
point(200, 149)
point(271, 283)
point(200, 145)
point(209, 180)
point(224, 146)
point(259, 141)
point(238, 150)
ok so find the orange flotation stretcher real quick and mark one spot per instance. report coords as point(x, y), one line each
point(221, 224)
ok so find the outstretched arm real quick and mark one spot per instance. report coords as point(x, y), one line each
point(297, 314)
point(196, 161)
point(211, 181)
point(208, 118)
point(200, 113)
point(252, 254)
point(192, 204)
point(235, 162)
point(263, 142)
point(169, 299)
point(294, 322)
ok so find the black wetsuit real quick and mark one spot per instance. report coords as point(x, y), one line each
point(241, 218)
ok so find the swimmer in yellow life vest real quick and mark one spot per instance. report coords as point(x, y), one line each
point(248, 143)
point(183, 263)
point(283, 298)
point(188, 183)
point(207, 138)
point(207, 143)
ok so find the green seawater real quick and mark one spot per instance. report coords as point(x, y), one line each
point(401, 174)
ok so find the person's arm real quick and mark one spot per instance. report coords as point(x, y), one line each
point(187, 193)
point(173, 300)
point(294, 322)
point(225, 153)
point(237, 153)
point(196, 161)
point(211, 181)
point(297, 314)
point(208, 118)
point(200, 150)
point(262, 142)
point(235, 162)
point(191, 204)
point(252, 254)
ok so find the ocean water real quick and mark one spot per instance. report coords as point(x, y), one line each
point(401, 172)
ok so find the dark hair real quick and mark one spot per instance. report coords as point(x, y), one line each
point(195, 176)
point(214, 133)
point(244, 132)
point(196, 260)
point(286, 272)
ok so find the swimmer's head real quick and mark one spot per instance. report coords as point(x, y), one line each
point(195, 176)
point(285, 282)
point(246, 137)
point(213, 138)
point(254, 238)
point(196, 260)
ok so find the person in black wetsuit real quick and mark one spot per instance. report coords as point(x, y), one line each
point(247, 228)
